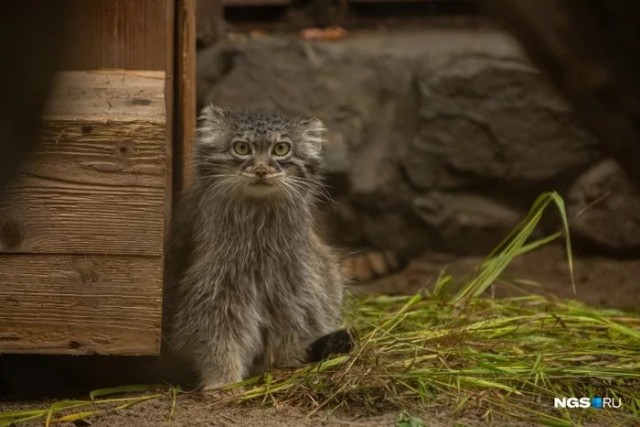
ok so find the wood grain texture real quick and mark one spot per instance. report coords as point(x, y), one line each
point(129, 34)
point(83, 228)
point(185, 103)
point(96, 183)
point(107, 95)
point(169, 102)
point(64, 304)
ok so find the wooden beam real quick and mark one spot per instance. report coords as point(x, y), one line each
point(85, 221)
point(129, 34)
point(169, 102)
point(72, 304)
point(96, 181)
point(185, 90)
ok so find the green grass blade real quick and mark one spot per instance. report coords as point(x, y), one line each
point(515, 245)
point(135, 388)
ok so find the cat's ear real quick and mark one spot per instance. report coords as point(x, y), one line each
point(213, 115)
point(313, 134)
point(212, 123)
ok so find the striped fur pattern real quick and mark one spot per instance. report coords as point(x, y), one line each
point(251, 286)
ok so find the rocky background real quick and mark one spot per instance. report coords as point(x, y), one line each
point(439, 140)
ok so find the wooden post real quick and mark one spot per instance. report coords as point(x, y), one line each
point(82, 229)
point(185, 108)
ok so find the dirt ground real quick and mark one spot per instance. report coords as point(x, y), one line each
point(195, 413)
point(599, 281)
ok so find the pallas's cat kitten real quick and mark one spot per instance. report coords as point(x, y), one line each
point(251, 286)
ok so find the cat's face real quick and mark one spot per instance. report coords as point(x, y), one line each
point(258, 155)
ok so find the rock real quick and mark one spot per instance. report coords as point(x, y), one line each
point(358, 95)
point(211, 66)
point(398, 230)
point(466, 223)
point(368, 102)
point(430, 134)
point(493, 119)
point(607, 210)
point(336, 155)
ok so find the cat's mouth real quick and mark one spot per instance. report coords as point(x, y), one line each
point(261, 187)
point(262, 182)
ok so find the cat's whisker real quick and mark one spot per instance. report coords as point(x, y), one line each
point(316, 187)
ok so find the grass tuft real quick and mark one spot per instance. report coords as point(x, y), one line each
point(66, 411)
point(453, 352)
point(510, 357)
point(460, 351)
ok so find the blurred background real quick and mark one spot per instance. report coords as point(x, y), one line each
point(442, 134)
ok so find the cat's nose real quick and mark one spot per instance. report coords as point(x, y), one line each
point(260, 171)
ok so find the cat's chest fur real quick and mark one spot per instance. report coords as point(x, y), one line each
point(260, 254)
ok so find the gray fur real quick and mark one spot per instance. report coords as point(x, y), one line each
point(250, 283)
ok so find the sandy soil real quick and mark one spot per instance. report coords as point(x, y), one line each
point(603, 282)
point(194, 413)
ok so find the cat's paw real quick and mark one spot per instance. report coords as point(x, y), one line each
point(340, 341)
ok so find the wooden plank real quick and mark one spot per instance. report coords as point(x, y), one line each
point(65, 304)
point(185, 101)
point(107, 95)
point(129, 34)
point(169, 95)
point(97, 181)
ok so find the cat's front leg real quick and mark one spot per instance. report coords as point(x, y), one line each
point(227, 356)
point(220, 367)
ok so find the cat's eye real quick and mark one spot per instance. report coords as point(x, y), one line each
point(281, 149)
point(241, 148)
